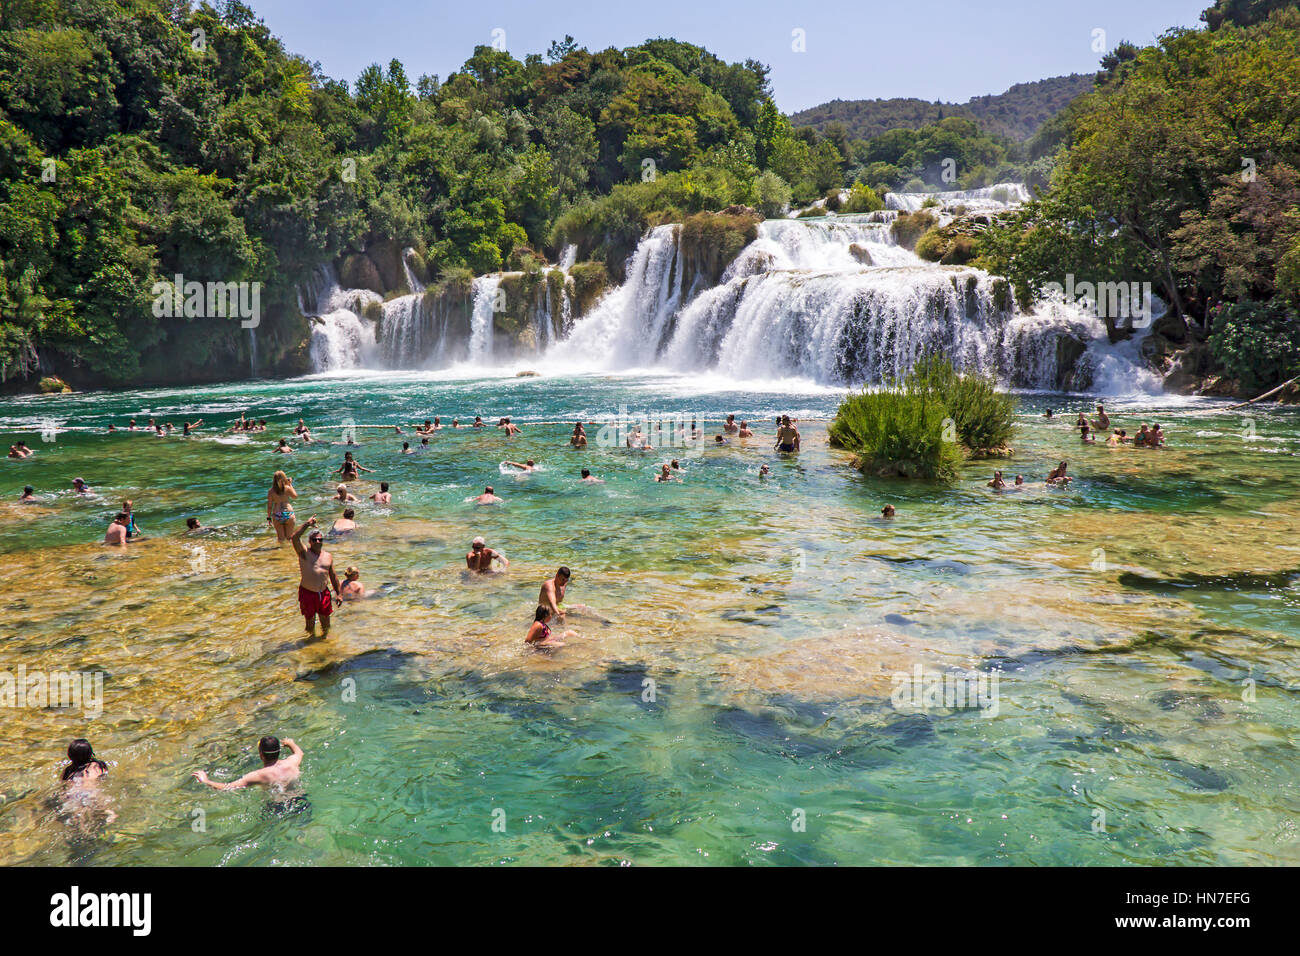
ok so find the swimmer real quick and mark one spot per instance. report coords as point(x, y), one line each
point(676, 465)
point(665, 474)
point(480, 557)
point(397, 430)
point(382, 496)
point(1057, 476)
point(274, 772)
point(1085, 434)
point(511, 428)
point(341, 493)
point(539, 632)
point(1081, 420)
point(1156, 437)
point(635, 440)
point(14, 452)
point(579, 437)
point(29, 494)
point(887, 511)
point(192, 524)
point(787, 436)
point(424, 445)
point(527, 467)
point(719, 441)
point(455, 423)
point(350, 469)
point(116, 533)
point(478, 423)
point(1117, 437)
point(80, 486)
point(551, 596)
point(1142, 436)
point(730, 426)
point(353, 589)
point(1020, 480)
point(997, 481)
point(1047, 414)
point(1102, 421)
point(425, 429)
point(345, 525)
point(589, 480)
point(192, 426)
point(764, 471)
point(283, 448)
point(316, 567)
point(406, 448)
point(488, 497)
point(132, 426)
point(279, 506)
point(745, 431)
point(82, 803)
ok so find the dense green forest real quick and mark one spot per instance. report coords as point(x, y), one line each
point(1016, 114)
point(140, 139)
point(1181, 169)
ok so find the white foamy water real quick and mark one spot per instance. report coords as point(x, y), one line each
point(833, 301)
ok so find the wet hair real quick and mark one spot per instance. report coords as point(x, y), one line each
point(586, 473)
point(565, 571)
point(28, 490)
point(406, 445)
point(488, 490)
point(349, 512)
point(191, 523)
point(123, 517)
point(269, 746)
point(542, 613)
point(278, 482)
point(383, 486)
point(82, 756)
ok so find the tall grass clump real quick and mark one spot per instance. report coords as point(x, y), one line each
point(924, 424)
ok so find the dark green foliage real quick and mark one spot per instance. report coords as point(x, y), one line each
point(1258, 343)
point(907, 428)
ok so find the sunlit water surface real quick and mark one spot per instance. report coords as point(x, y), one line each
point(729, 700)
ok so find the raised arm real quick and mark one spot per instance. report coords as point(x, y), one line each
point(297, 537)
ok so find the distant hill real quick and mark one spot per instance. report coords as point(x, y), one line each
point(1017, 113)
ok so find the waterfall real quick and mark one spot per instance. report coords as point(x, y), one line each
point(482, 319)
point(341, 338)
point(832, 299)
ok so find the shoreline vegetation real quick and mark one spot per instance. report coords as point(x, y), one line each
point(239, 162)
point(925, 424)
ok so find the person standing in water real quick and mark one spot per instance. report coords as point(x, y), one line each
point(787, 436)
point(279, 506)
point(116, 533)
point(480, 557)
point(274, 772)
point(382, 496)
point(316, 567)
point(552, 593)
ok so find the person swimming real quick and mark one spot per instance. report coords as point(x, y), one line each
point(345, 525)
point(579, 437)
point(341, 493)
point(525, 467)
point(82, 804)
point(352, 589)
point(382, 496)
point(887, 511)
point(730, 426)
point(665, 474)
point(275, 773)
point(29, 494)
point(283, 448)
point(487, 498)
point(588, 479)
point(1057, 476)
point(745, 431)
point(193, 524)
point(997, 481)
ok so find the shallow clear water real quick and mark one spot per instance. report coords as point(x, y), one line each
point(1153, 679)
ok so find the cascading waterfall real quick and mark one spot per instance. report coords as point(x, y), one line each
point(482, 319)
point(832, 299)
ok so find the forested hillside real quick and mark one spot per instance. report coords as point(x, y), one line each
point(1016, 114)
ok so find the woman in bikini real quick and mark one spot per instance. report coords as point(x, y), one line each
point(539, 633)
point(279, 506)
point(81, 804)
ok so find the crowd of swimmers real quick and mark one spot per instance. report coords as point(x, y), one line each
point(319, 585)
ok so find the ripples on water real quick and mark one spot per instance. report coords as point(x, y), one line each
point(770, 615)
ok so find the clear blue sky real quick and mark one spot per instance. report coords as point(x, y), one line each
point(932, 49)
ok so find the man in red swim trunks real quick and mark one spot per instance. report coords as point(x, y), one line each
point(317, 567)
